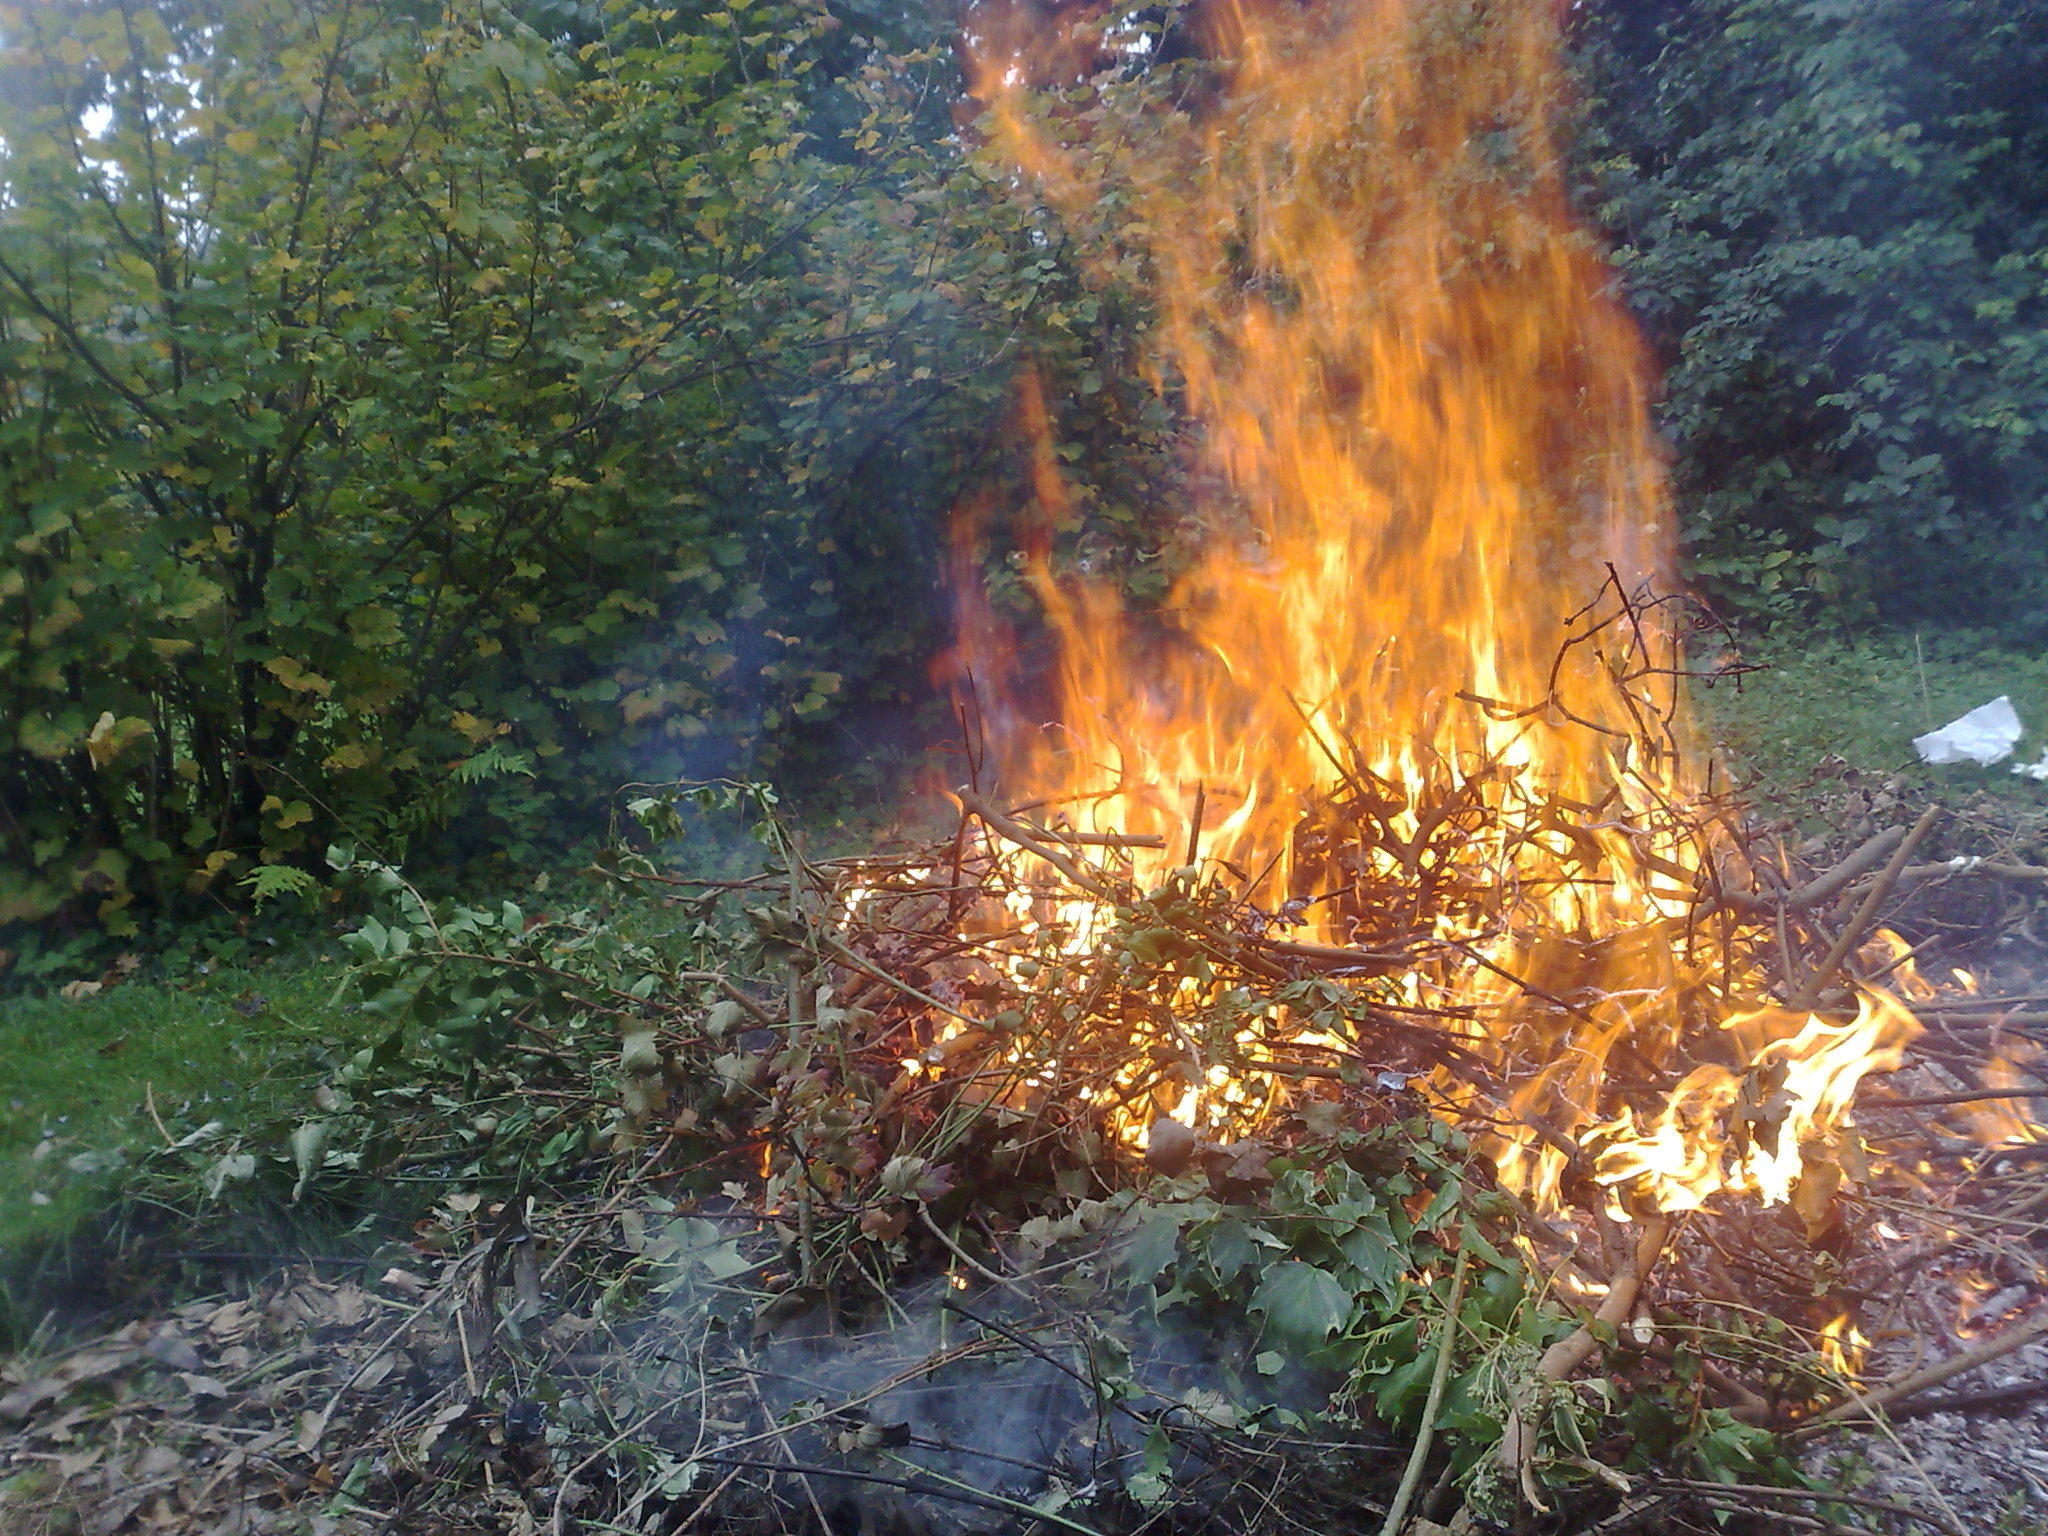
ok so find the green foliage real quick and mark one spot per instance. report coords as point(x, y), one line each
point(407, 415)
point(1834, 219)
point(81, 1076)
point(1097, 475)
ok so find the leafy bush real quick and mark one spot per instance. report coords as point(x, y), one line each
point(1834, 219)
point(412, 415)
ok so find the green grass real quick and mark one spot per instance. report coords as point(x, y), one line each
point(78, 1077)
point(1863, 700)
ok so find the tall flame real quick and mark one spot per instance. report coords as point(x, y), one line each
point(1426, 421)
point(1430, 418)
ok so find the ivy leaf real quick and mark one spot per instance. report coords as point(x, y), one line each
point(1153, 1246)
point(1302, 1302)
point(1404, 1384)
point(1150, 1486)
point(1371, 1248)
point(1231, 1245)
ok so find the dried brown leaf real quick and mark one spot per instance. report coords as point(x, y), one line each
point(73, 1371)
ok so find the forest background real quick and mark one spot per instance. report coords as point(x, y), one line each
point(417, 419)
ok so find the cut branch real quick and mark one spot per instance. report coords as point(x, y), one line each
point(1871, 1405)
point(1866, 914)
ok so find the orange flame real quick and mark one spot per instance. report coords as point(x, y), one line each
point(1754, 1130)
point(1430, 420)
point(2015, 1065)
point(1843, 1347)
point(1424, 419)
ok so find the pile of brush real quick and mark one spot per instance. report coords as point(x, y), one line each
point(985, 1184)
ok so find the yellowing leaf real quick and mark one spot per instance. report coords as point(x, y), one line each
point(375, 627)
point(62, 614)
point(110, 737)
point(293, 674)
point(42, 737)
point(642, 702)
point(475, 729)
point(204, 875)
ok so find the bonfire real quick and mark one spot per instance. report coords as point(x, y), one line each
point(1317, 954)
point(1394, 803)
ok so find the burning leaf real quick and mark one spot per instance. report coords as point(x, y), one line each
point(1813, 1197)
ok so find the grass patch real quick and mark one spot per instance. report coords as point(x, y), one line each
point(1863, 699)
point(77, 1077)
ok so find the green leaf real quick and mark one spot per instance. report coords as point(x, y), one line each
point(1371, 1249)
point(1405, 1385)
point(1302, 1302)
point(1153, 1246)
point(1229, 1248)
point(1150, 1486)
point(309, 1153)
point(266, 882)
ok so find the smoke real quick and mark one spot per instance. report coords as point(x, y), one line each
point(977, 1408)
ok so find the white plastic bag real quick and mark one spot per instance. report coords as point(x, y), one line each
point(1986, 735)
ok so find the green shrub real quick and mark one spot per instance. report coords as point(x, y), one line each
point(1833, 217)
point(409, 420)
